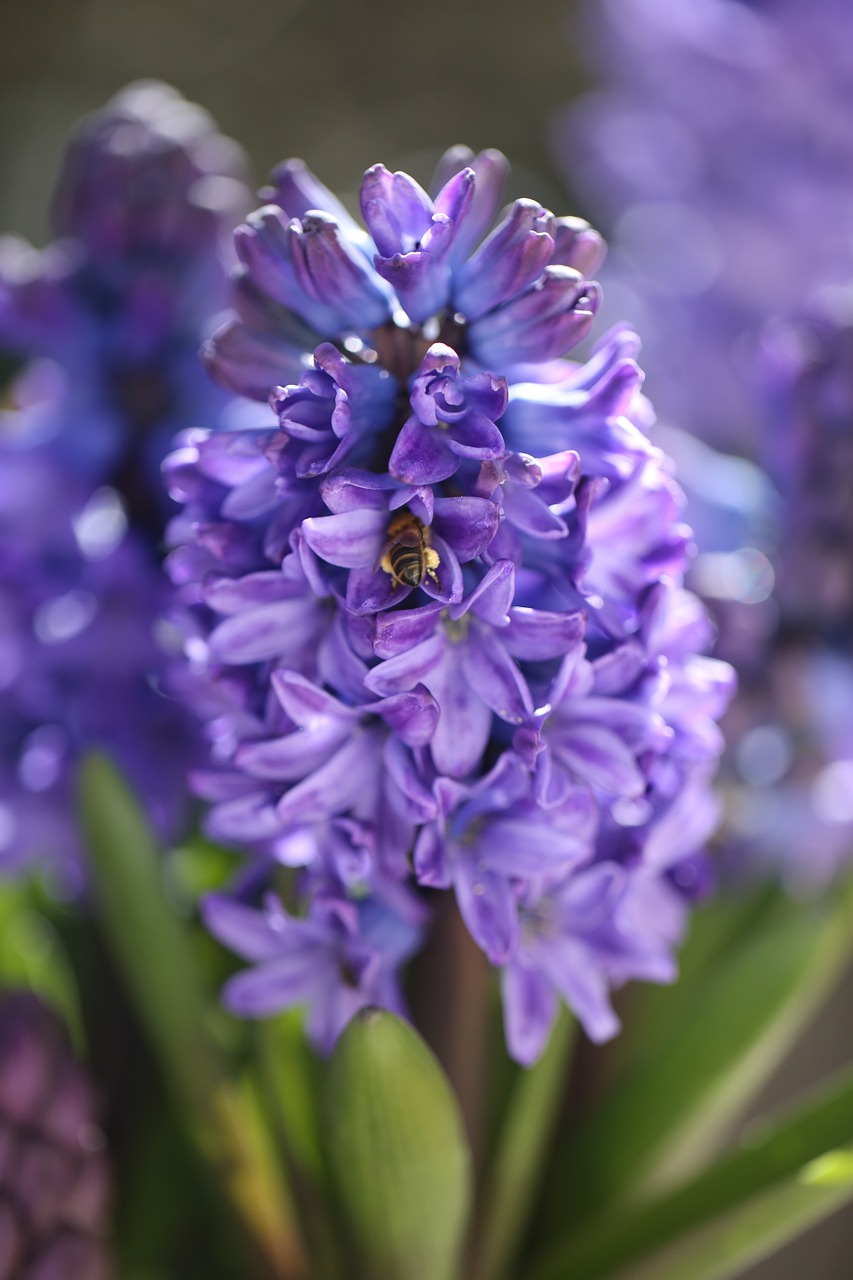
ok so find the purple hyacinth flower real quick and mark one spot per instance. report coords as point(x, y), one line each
point(453, 418)
point(577, 245)
point(465, 656)
point(308, 267)
point(603, 727)
point(81, 665)
point(337, 960)
point(592, 415)
point(413, 235)
point(545, 321)
point(488, 837)
point(367, 509)
point(431, 653)
point(490, 169)
point(121, 301)
point(575, 939)
point(507, 262)
point(336, 409)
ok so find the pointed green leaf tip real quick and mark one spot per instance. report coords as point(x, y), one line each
point(397, 1153)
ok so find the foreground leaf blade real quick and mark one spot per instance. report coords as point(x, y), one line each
point(154, 957)
point(513, 1176)
point(737, 1241)
point(785, 1174)
point(674, 1111)
point(397, 1153)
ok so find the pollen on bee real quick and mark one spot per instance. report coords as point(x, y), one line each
point(407, 556)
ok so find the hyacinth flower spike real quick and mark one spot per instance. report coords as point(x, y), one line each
point(417, 604)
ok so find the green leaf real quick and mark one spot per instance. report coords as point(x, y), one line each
point(678, 1105)
point(738, 1240)
point(153, 952)
point(32, 955)
point(513, 1176)
point(143, 932)
point(293, 1077)
point(397, 1153)
point(786, 1173)
point(718, 928)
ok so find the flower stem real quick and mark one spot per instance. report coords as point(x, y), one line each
point(513, 1175)
point(451, 1001)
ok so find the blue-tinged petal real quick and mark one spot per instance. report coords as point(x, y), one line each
point(211, 784)
point(465, 722)
point(298, 191)
point(408, 668)
point(527, 510)
point(254, 497)
point(412, 716)
point(491, 598)
point(544, 322)
point(402, 629)
point(577, 245)
point(305, 703)
point(249, 932)
point(510, 259)
point(456, 197)
point(616, 671)
point(468, 525)
point(419, 801)
point(351, 540)
point(277, 984)
point(598, 756)
point(422, 455)
point(230, 595)
point(294, 756)
point(350, 489)
point(279, 630)
point(476, 436)
point(535, 635)
point(640, 727)
point(332, 272)
point(251, 361)
point(529, 1006)
point(487, 905)
point(495, 678)
point(249, 819)
point(490, 169)
point(430, 859)
point(372, 590)
point(348, 777)
point(523, 846)
point(571, 968)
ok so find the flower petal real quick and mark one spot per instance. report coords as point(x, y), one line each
point(351, 540)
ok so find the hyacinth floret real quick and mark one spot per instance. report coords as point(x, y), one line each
point(433, 612)
point(113, 311)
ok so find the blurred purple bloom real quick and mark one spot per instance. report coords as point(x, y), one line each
point(715, 149)
point(110, 317)
point(55, 1179)
point(81, 664)
point(119, 304)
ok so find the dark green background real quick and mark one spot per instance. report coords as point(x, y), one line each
point(341, 84)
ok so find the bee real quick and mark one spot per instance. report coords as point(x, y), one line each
point(407, 555)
